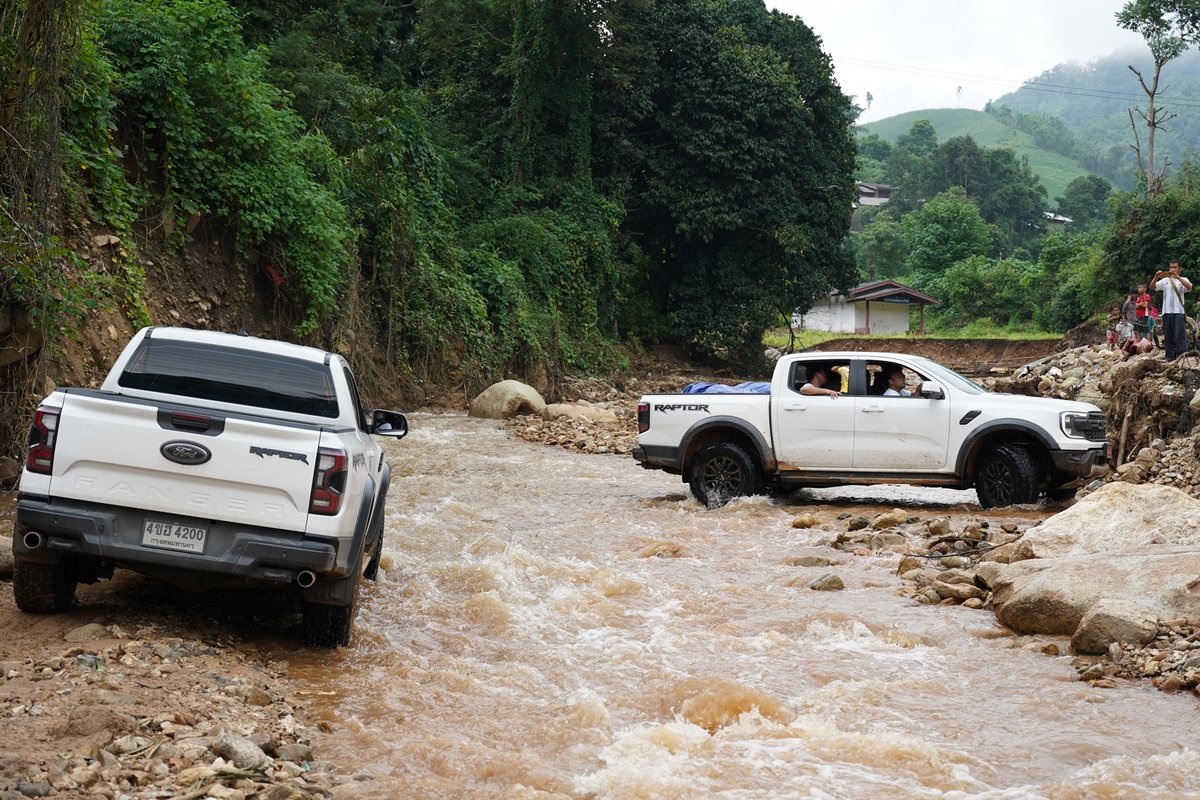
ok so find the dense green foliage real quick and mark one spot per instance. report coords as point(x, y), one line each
point(493, 187)
point(990, 130)
point(1093, 100)
point(966, 224)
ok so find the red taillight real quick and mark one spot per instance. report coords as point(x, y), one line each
point(41, 440)
point(329, 482)
point(643, 417)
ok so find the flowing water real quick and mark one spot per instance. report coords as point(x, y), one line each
point(559, 625)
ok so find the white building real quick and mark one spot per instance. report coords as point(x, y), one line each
point(877, 307)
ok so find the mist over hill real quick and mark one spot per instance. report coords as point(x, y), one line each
point(1074, 119)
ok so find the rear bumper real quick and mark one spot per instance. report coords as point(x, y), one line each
point(113, 534)
point(657, 457)
point(1083, 463)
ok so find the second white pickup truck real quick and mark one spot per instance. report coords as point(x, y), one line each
point(208, 460)
point(947, 431)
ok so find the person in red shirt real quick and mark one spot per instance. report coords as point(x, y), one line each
point(1144, 322)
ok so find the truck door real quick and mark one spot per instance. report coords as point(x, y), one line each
point(899, 433)
point(812, 432)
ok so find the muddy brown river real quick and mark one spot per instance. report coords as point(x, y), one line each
point(559, 625)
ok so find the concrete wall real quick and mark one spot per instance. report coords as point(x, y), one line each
point(835, 315)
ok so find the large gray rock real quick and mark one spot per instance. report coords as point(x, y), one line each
point(1116, 517)
point(507, 399)
point(1051, 596)
point(1114, 621)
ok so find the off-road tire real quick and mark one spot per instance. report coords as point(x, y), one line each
point(722, 472)
point(372, 570)
point(1006, 475)
point(41, 588)
point(327, 626)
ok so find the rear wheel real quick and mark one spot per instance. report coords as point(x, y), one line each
point(1007, 475)
point(722, 472)
point(327, 626)
point(43, 588)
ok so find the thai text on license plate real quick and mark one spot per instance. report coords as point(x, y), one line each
point(174, 536)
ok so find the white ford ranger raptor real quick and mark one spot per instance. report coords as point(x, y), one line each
point(208, 460)
point(941, 430)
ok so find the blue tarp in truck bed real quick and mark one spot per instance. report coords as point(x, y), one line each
point(749, 387)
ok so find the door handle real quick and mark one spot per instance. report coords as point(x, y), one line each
point(872, 409)
point(795, 407)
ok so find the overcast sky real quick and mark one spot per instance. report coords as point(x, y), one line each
point(916, 54)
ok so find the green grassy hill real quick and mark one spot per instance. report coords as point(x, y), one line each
point(1055, 171)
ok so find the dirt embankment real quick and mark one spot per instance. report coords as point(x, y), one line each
point(969, 356)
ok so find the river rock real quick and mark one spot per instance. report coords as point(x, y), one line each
point(827, 583)
point(507, 399)
point(806, 521)
point(86, 633)
point(1110, 621)
point(1051, 596)
point(890, 519)
point(240, 751)
point(1116, 517)
point(576, 411)
point(957, 591)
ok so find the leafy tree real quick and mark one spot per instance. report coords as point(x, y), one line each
point(1084, 199)
point(880, 249)
point(1003, 290)
point(1151, 229)
point(946, 230)
point(739, 175)
point(1072, 266)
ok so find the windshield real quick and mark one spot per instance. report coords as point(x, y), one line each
point(947, 375)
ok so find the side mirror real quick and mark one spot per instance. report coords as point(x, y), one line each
point(388, 423)
point(932, 391)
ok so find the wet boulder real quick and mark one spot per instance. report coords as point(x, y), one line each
point(1114, 621)
point(1115, 518)
point(1052, 595)
point(507, 399)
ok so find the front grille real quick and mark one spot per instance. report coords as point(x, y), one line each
point(1094, 427)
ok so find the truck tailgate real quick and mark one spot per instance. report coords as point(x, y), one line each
point(115, 450)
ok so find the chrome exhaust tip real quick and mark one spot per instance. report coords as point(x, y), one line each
point(33, 540)
point(306, 578)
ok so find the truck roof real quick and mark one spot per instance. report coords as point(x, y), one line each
point(239, 340)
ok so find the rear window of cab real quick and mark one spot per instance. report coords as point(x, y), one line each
point(232, 375)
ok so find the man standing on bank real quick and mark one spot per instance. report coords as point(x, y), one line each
point(1173, 286)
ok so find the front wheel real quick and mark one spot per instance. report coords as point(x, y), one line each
point(722, 472)
point(1007, 475)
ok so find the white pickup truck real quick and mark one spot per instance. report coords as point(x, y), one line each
point(946, 431)
point(208, 460)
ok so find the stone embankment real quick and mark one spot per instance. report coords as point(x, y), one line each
point(1123, 588)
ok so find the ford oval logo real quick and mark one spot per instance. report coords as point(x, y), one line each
point(185, 452)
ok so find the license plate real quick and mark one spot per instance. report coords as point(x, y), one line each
point(174, 536)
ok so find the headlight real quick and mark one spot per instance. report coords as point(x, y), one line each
point(1075, 424)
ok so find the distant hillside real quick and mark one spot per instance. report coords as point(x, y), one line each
point(1055, 171)
point(1093, 101)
